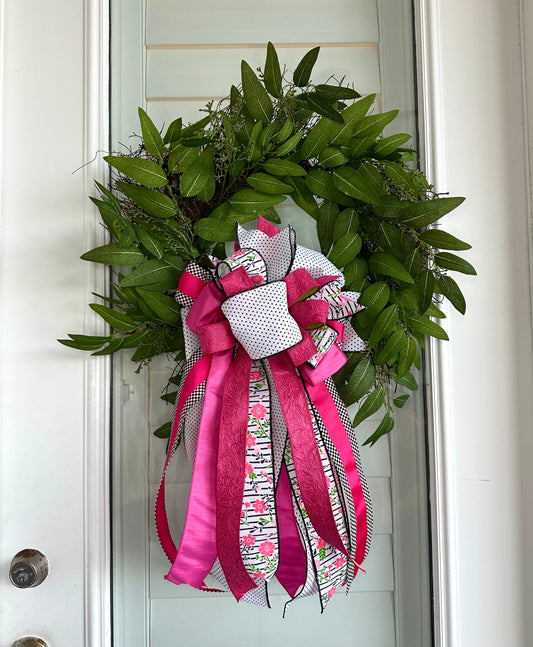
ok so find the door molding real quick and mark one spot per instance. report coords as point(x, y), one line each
point(437, 377)
point(97, 371)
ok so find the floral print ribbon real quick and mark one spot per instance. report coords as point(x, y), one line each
point(277, 488)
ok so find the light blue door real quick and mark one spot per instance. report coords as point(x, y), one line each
point(172, 57)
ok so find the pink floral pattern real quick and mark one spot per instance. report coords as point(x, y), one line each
point(267, 548)
point(259, 534)
point(258, 411)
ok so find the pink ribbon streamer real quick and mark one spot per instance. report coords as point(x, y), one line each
point(307, 461)
point(327, 409)
point(292, 567)
point(196, 376)
point(230, 473)
point(197, 551)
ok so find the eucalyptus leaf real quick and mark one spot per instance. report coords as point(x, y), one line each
point(272, 76)
point(112, 347)
point(345, 249)
point(408, 380)
point(152, 139)
point(151, 201)
point(252, 201)
point(317, 103)
point(80, 345)
point(332, 157)
point(361, 380)
point(394, 344)
point(334, 92)
point(426, 212)
point(303, 70)
point(388, 145)
point(139, 170)
point(454, 263)
point(356, 274)
point(400, 401)
point(153, 244)
point(181, 158)
point(375, 297)
point(173, 131)
point(114, 254)
point(443, 240)
point(319, 137)
point(197, 174)
point(215, 230)
point(372, 125)
point(353, 183)
point(286, 131)
point(371, 405)
point(110, 215)
point(164, 430)
point(385, 427)
point(407, 357)
point(426, 283)
point(164, 307)
point(384, 326)
point(321, 183)
point(152, 271)
point(289, 145)
point(276, 166)
point(327, 216)
point(351, 116)
point(268, 184)
point(384, 263)
point(452, 292)
point(424, 326)
point(114, 318)
point(303, 196)
point(346, 223)
point(257, 100)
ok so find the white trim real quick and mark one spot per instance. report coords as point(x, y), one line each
point(437, 365)
point(97, 546)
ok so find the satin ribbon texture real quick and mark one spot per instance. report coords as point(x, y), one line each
point(277, 487)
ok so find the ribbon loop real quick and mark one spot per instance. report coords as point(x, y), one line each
point(261, 321)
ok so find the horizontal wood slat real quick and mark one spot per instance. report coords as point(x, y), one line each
point(359, 620)
point(305, 21)
point(177, 73)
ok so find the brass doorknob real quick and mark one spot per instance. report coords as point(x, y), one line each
point(30, 641)
point(28, 568)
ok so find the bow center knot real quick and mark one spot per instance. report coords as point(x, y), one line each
point(261, 321)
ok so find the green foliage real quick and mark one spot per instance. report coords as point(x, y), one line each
point(180, 195)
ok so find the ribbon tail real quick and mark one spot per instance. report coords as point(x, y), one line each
point(329, 409)
point(305, 453)
point(292, 561)
point(197, 550)
point(230, 473)
point(195, 377)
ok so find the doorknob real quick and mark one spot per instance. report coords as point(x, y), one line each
point(28, 568)
point(30, 641)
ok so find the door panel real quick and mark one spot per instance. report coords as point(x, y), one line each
point(192, 54)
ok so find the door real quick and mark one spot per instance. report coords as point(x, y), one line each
point(53, 402)
point(180, 68)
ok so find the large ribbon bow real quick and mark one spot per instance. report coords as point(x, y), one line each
point(277, 486)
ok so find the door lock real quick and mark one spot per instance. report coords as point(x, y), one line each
point(28, 568)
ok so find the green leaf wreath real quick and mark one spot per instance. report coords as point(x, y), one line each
point(179, 197)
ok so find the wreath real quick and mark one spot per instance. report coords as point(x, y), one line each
point(271, 340)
